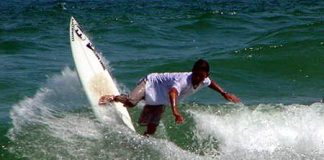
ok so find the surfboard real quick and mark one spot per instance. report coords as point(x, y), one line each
point(94, 76)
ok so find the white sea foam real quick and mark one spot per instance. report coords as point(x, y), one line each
point(57, 123)
point(267, 131)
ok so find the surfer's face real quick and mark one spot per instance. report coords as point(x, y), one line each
point(198, 77)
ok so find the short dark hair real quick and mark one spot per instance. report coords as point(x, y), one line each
point(201, 65)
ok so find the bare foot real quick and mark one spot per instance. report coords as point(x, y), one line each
point(105, 99)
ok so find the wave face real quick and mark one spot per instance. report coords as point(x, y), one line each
point(54, 123)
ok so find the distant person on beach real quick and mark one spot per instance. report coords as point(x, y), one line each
point(161, 89)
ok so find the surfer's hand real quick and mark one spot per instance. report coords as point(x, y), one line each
point(231, 97)
point(105, 99)
point(179, 119)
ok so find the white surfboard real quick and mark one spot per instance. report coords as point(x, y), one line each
point(94, 75)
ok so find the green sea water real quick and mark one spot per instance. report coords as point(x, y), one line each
point(270, 53)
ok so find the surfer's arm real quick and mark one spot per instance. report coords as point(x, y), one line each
point(230, 97)
point(173, 95)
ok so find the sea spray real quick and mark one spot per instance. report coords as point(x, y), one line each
point(267, 131)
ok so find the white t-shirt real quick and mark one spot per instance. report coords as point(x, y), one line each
point(158, 86)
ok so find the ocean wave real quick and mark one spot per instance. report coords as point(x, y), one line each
point(57, 123)
point(263, 131)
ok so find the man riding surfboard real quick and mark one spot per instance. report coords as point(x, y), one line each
point(161, 89)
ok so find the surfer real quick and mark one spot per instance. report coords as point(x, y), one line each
point(161, 89)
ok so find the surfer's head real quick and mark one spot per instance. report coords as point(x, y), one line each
point(201, 65)
point(200, 71)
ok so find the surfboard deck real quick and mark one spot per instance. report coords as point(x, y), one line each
point(94, 76)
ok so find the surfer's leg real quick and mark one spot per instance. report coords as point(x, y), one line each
point(129, 101)
point(150, 129)
point(134, 97)
point(138, 93)
point(150, 117)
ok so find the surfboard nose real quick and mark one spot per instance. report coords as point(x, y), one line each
point(72, 19)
